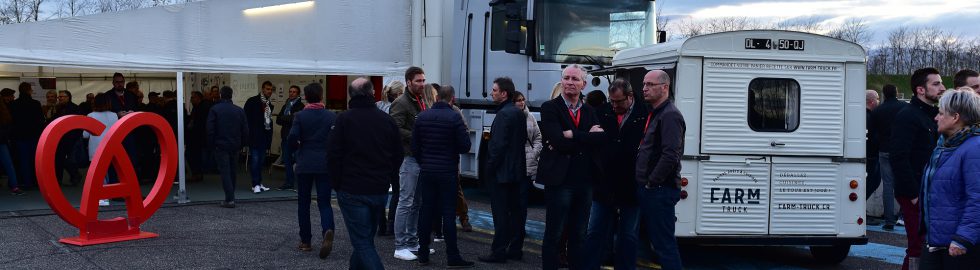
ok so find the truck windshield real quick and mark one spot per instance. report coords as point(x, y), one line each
point(590, 31)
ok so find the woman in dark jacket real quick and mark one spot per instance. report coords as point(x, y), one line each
point(309, 137)
point(6, 125)
point(951, 186)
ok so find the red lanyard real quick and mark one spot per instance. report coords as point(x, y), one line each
point(649, 116)
point(576, 116)
point(619, 119)
point(421, 105)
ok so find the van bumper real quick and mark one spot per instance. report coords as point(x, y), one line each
point(770, 240)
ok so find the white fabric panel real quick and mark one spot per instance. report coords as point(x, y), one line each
point(333, 37)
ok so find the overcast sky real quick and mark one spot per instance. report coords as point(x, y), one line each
point(957, 16)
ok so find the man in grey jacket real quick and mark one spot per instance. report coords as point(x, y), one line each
point(658, 168)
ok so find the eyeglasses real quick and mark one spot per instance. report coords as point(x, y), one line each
point(652, 84)
point(620, 101)
point(118, 81)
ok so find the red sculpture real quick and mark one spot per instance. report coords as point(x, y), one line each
point(92, 230)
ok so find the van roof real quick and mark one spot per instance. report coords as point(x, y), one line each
point(731, 45)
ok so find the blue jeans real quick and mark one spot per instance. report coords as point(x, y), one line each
point(657, 211)
point(601, 222)
point(287, 161)
point(407, 211)
point(438, 192)
point(226, 163)
point(361, 214)
point(256, 158)
point(8, 166)
point(568, 209)
point(887, 187)
point(25, 151)
point(306, 183)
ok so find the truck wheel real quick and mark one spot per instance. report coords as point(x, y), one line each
point(830, 254)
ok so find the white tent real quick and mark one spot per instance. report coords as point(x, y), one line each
point(288, 37)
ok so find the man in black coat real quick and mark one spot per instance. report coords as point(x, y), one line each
point(258, 110)
point(614, 195)
point(914, 135)
point(64, 161)
point(227, 131)
point(881, 122)
point(28, 124)
point(364, 153)
point(658, 168)
point(196, 135)
point(121, 101)
point(285, 120)
point(570, 133)
point(506, 170)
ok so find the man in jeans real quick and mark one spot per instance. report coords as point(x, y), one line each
point(363, 156)
point(258, 109)
point(438, 139)
point(913, 138)
point(227, 130)
point(881, 119)
point(404, 110)
point(658, 168)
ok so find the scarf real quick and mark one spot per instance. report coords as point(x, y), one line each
point(314, 106)
point(267, 112)
point(942, 145)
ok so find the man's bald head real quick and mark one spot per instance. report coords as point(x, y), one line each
point(656, 85)
point(871, 99)
point(361, 87)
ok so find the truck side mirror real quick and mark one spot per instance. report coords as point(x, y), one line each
point(512, 33)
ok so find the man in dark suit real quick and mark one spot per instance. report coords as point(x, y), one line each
point(121, 101)
point(658, 168)
point(614, 195)
point(258, 110)
point(293, 105)
point(506, 169)
point(567, 168)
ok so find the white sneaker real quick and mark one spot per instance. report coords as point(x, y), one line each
point(256, 189)
point(103, 202)
point(416, 250)
point(405, 255)
point(263, 187)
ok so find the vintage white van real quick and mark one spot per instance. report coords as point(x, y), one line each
point(774, 152)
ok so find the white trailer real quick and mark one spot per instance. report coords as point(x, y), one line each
point(469, 43)
point(774, 151)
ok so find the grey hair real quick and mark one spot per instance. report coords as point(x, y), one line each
point(579, 68)
point(963, 101)
point(365, 89)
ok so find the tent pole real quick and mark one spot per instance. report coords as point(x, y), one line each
point(181, 165)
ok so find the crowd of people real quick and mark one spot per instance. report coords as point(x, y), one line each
point(610, 165)
point(926, 155)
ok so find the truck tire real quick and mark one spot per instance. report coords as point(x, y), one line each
point(830, 254)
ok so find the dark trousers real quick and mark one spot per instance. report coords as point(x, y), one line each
point(288, 161)
point(910, 212)
point(226, 163)
point(63, 162)
point(603, 221)
point(306, 183)
point(361, 213)
point(462, 209)
point(438, 192)
point(657, 212)
point(568, 208)
point(25, 162)
point(508, 204)
point(940, 260)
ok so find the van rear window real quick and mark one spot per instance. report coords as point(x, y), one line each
point(774, 105)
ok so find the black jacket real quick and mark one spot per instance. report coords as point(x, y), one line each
point(227, 128)
point(364, 149)
point(914, 135)
point(871, 139)
point(259, 137)
point(505, 150)
point(439, 137)
point(618, 155)
point(659, 159)
point(286, 121)
point(309, 138)
point(126, 102)
point(557, 152)
point(28, 119)
point(73, 136)
point(882, 119)
point(199, 124)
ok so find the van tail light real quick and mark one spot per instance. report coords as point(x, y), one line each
point(854, 184)
point(683, 181)
point(683, 194)
point(860, 221)
point(853, 196)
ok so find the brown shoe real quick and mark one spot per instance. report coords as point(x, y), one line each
point(304, 247)
point(466, 226)
point(327, 244)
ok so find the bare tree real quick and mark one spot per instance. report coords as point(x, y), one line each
point(71, 8)
point(853, 30)
point(809, 24)
point(15, 11)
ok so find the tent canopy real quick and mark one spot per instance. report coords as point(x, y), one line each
point(353, 37)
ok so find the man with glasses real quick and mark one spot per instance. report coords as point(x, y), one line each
point(658, 168)
point(121, 102)
point(614, 196)
point(63, 161)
